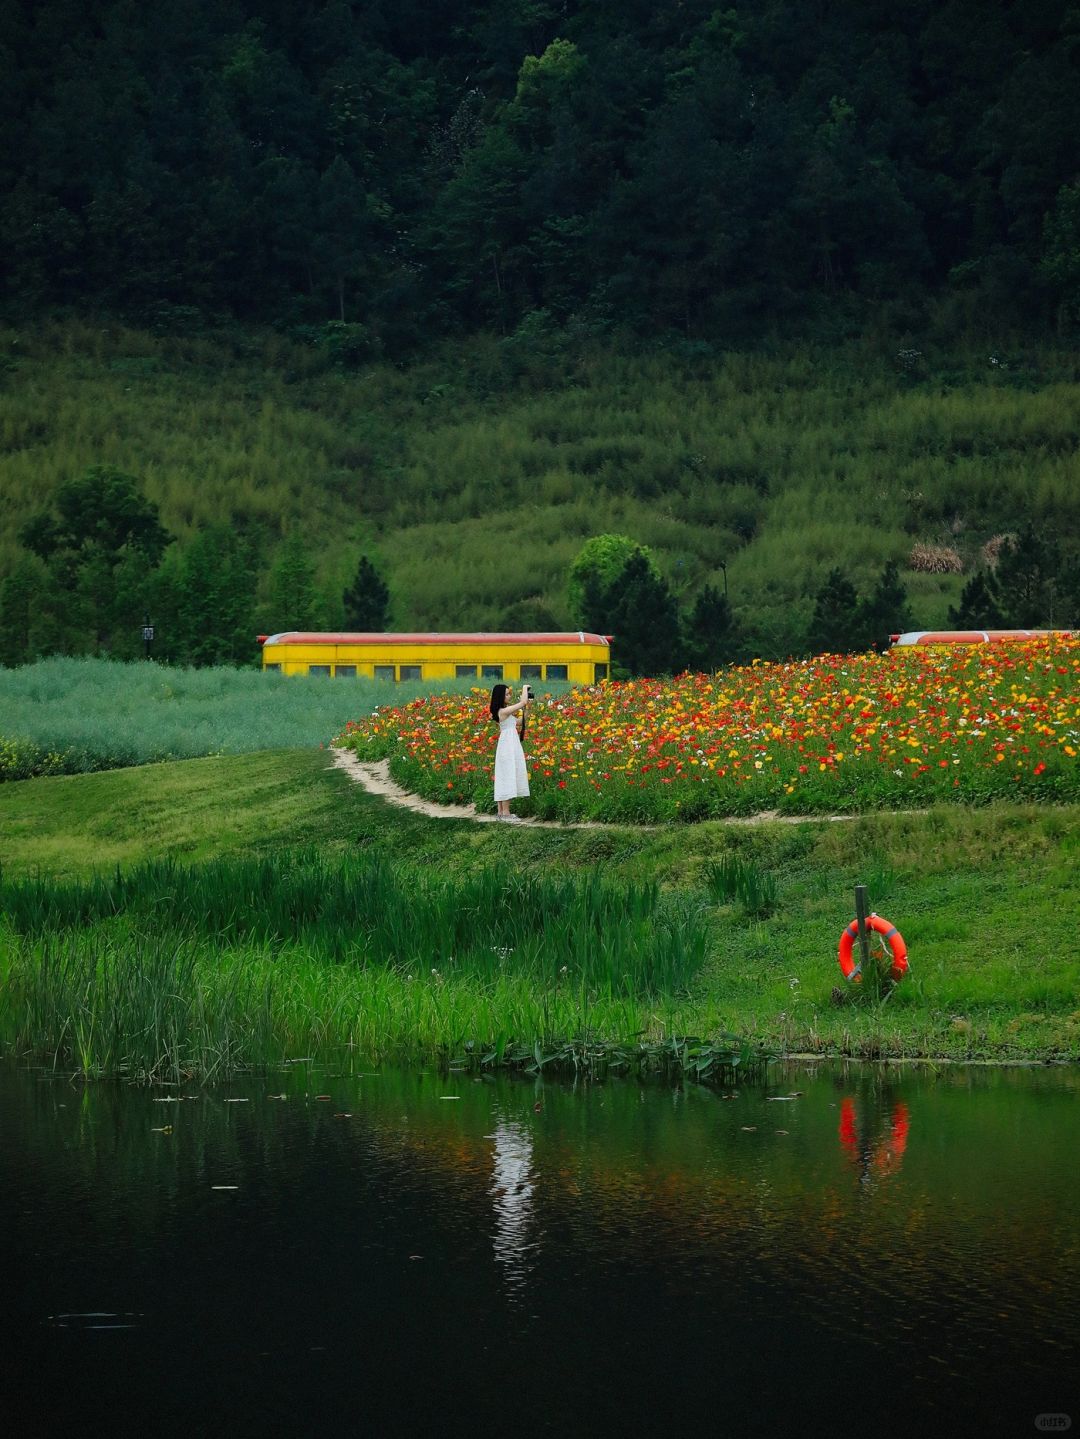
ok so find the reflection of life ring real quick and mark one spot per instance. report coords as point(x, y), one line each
point(892, 937)
point(884, 1154)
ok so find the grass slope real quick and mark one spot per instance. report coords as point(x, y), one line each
point(994, 967)
point(477, 473)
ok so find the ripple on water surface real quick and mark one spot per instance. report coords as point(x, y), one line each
point(402, 1249)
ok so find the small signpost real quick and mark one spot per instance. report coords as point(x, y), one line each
point(147, 634)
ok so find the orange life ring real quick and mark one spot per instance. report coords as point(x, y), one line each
point(889, 932)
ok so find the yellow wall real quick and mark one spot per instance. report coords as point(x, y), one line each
point(439, 661)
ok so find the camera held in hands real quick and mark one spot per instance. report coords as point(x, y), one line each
point(526, 692)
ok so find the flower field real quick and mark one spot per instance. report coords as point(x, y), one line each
point(833, 734)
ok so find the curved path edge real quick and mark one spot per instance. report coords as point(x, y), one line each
point(374, 776)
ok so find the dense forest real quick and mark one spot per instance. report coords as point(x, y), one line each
point(369, 314)
point(425, 166)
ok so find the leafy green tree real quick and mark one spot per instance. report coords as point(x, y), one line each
point(644, 619)
point(544, 80)
point(102, 513)
point(595, 569)
point(101, 541)
point(529, 617)
point(979, 607)
point(885, 611)
point(834, 625)
point(367, 600)
point(711, 636)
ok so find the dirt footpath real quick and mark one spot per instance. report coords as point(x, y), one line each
point(375, 778)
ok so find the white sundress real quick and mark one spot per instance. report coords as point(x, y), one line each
point(511, 774)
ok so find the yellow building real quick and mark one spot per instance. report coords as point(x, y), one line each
point(576, 656)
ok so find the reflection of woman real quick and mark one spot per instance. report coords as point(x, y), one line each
point(512, 1186)
point(511, 774)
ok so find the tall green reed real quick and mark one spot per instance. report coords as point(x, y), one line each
point(114, 1001)
point(122, 1002)
point(364, 910)
point(733, 878)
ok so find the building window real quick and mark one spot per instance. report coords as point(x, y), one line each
point(556, 672)
point(532, 672)
point(344, 671)
point(409, 672)
point(600, 673)
point(318, 669)
point(384, 672)
point(465, 672)
point(491, 672)
point(275, 668)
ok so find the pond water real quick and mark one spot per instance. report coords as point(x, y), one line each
point(887, 1248)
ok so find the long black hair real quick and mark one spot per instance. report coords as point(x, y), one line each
point(498, 699)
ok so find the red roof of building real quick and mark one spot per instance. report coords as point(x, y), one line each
point(569, 637)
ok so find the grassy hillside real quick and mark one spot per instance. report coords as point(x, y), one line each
point(994, 970)
point(476, 474)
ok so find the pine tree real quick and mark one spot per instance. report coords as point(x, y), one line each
point(18, 601)
point(644, 620)
point(367, 600)
point(979, 607)
point(217, 598)
point(293, 602)
point(1067, 594)
point(833, 626)
point(342, 223)
point(885, 611)
point(1026, 571)
point(711, 635)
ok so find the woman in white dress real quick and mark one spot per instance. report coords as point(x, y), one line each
point(511, 774)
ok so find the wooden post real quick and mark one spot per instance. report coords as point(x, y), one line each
point(861, 911)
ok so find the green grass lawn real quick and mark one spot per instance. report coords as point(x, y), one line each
point(189, 809)
point(985, 898)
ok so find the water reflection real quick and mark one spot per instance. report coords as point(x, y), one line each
point(512, 1189)
point(874, 1144)
point(299, 1255)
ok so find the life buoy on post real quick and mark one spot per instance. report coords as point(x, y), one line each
point(889, 933)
